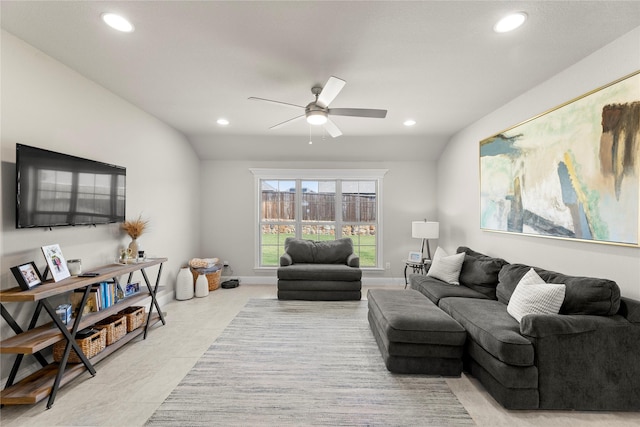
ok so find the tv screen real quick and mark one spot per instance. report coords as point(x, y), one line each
point(55, 189)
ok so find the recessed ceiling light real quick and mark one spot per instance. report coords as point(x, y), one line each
point(409, 122)
point(510, 22)
point(117, 22)
point(222, 122)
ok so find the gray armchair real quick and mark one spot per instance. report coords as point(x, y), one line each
point(326, 270)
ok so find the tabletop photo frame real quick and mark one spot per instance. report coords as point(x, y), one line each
point(415, 257)
point(56, 262)
point(27, 275)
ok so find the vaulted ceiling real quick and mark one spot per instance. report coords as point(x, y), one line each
point(438, 62)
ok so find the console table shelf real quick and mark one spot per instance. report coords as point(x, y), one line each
point(38, 385)
point(43, 336)
point(46, 381)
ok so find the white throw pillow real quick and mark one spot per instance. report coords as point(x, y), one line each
point(446, 268)
point(533, 296)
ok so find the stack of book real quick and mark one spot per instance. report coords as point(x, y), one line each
point(101, 296)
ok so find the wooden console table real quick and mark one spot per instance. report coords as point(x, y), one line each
point(46, 381)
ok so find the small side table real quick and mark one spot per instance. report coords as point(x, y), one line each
point(417, 267)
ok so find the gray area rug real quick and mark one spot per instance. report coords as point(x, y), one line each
point(299, 363)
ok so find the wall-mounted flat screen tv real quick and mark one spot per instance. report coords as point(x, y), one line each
point(55, 189)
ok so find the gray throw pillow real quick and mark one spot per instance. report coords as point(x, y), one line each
point(300, 250)
point(480, 272)
point(333, 251)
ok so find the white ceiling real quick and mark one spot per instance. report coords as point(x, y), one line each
point(439, 62)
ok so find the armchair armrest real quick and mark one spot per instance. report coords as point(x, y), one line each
point(353, 260)
point(285, 259)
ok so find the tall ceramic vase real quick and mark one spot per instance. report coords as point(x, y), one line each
point(184, 284)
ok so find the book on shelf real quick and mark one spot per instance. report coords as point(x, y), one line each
point(92, 305)
point(101, 295)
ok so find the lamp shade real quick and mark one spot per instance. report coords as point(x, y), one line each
point(425, 229)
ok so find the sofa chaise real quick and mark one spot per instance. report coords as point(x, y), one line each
point(586, 357)
point(325, 270)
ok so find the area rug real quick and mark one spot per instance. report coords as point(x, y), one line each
point(300, 363)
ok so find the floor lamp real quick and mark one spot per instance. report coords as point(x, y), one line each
point(425, 230)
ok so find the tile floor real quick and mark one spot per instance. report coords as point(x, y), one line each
point(134, 381)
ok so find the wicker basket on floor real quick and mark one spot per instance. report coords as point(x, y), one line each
point(115, 326)
point(90, 346)
point(213, 278)
point(135, 317)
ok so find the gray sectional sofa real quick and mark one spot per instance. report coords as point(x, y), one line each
point(587, 357)
point(325, 270)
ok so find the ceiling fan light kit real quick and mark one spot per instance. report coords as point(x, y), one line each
point(317, 112)
point(316, 117)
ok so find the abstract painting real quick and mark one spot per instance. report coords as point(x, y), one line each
point(572, 172)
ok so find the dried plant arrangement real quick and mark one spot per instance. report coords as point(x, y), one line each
point(136, 227)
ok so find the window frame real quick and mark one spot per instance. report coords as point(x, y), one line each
point(318, 174)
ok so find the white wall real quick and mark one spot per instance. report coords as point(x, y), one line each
point(48, 105)
point(458, 177)
point(228, 209)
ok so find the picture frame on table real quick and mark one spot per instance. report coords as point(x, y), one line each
point(415, 257)
point(56, 262)
point(132, 289)
point(27, 275)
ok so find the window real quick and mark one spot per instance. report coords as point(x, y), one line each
point(318, 205)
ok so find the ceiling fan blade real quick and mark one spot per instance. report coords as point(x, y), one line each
point(330, 90)
point(358, 112)
point(332, 129)
point(253, 98)
point(286, 122)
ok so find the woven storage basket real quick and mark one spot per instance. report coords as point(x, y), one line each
point(115, 326)
point(90, 346)
point(135, 317)
point(212, 278)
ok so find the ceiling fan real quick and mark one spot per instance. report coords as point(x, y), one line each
point(317, 112)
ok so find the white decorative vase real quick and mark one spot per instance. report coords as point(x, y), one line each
point(133, 246)
point(202, 286)
point(184, 284)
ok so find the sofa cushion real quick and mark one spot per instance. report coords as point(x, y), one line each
point(436, 289)
point(583, 295)
point(323, 252)
point(480, 272)
point(492, 328)
point(446, 267)
point(534, 296)
point(317, 272)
